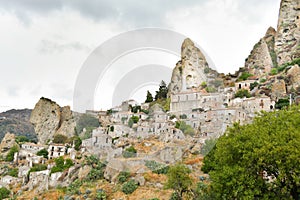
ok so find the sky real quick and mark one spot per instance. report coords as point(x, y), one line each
point(44, 44)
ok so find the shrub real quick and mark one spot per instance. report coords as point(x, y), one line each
point(208, 146)
point(98, 168)
point(203, 84)
point(210, 89)
point(61, 164)
point(129, 187)
point(253, 85)
point(282, 103)
point(173, 117)
point(22, 139)
point(73, 188)
point(244, 76)
point(43, 153)
point(274, 71)
point(156, 167)
point(60, 139)
point(77, 143)
point(206, 70)
point(11, 153)
point(13, 172)
point(112, 128)
point(262, 80)
point(185, 128)
point(123, 176)
point(130, 123)
point(4, 193)
point(242, 93)
point(135, 119)
point(129, 152)
point(37, 168)
point(100, 195)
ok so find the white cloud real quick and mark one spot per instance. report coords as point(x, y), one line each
point(43, 45)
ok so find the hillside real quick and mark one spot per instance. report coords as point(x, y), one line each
point(17, 122)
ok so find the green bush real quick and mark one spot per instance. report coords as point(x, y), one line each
point(11, 153)
point(282, 103)
point(156, 167)
point(60, 139)
point(274, 71)
point(253, 85)
point(43, 153)
point(123, 176)
point(129, 187)
point(73, 188)
point(37, 168)
point(242, 93)
point(244, 76)
point(262, 80)
point(61, 164)
point(185, 128)
point(77, 143)
point(101, 195)
point(4, 193)
point(135, 119)
point(210, 89)
point(130, 123)
point(129, 152)
point(97, 171)
point(13, 172)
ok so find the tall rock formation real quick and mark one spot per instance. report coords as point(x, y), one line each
point(263, 57)
point(50, 119)
point(7, 143)
point(287, 41)
point(191, 70)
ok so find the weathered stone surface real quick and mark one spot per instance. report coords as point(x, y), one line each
point(190, 70)
point(7, 142)
point(278, 89)
point(287, 39)
point(260, 60)
point(49, 119)
point(294, 76)
point(84, 171)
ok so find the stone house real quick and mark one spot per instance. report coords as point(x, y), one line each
point(56, 150)
point(243, 85)
point(32, 147)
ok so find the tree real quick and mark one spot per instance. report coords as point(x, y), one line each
point(258, 160)
point(43, 153)
point(149, 97)
point(179, 179)
point(11, 153)
point(60, 139)
point(4, 193)
point(242, 93)
point(208, 146)
point(282, 103)
point(162, 91)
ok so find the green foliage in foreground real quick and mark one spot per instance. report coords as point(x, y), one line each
point(258, 160)
point(179, 179)
point(4, 193)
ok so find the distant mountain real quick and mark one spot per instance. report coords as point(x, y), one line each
point(17, 122)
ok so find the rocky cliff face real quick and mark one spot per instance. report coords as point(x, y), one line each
point(287, 41)
point(191, 70)
point(50, 119)
point(262, 58)
point(7, 143)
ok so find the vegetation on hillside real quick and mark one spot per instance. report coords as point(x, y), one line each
point(258, 160)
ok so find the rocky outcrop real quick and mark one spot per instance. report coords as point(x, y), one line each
point(262, 58)
point(278, 89)
point(50, 119)
point(287, 41)
point(191, 70)
point(7, 143)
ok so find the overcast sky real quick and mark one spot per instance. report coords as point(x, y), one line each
point(43, 44)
